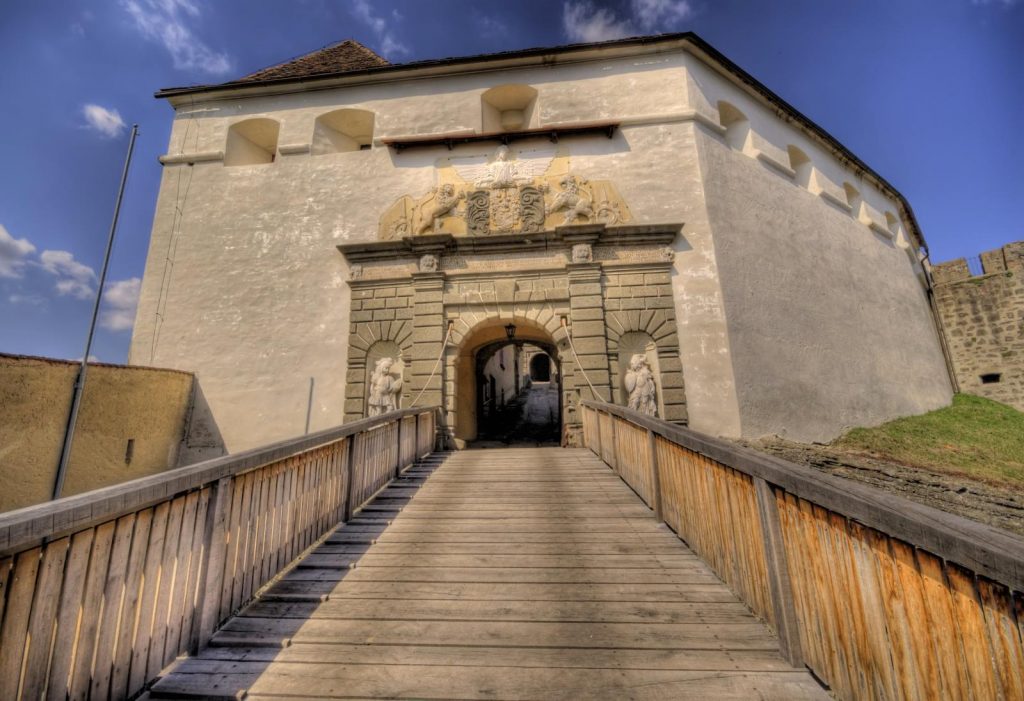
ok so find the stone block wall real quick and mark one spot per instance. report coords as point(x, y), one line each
point(983, 322)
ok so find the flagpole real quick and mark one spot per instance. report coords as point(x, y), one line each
point(76, 400)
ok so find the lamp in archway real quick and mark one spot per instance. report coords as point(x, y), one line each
point(510, 331)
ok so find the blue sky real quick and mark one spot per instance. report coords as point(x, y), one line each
point(930, 93)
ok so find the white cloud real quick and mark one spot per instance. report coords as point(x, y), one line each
point(167, 22)
point(390, 45)
point(106, 122)
point(73, 278)
point(31, 300)
point(13, 253)
point(582, 21)
point(121, 299)
point(659, 15)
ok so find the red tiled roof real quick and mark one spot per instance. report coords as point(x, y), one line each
point(348, 55)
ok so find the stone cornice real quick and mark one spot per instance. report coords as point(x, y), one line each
point(561, 238)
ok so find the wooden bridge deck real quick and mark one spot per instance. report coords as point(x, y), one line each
point(530, 573)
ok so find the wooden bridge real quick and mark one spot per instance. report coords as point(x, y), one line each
point(654, 564)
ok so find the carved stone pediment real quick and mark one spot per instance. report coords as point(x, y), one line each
point(507, 193)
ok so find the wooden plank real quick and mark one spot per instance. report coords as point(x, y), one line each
point(68, 611)
point(182, 574)
point(113, 599)
point(92, 607)
point(41, 622)
point(132, 605)
point(1004, 637)
point(529, 657)
point(212, 575)
point(595, 593)
point(723, 636)
point(168, 572)
point(151, 575)
point(505, 610)
point(14, 631)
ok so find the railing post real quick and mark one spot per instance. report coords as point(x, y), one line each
point(350, 474)
point(597, 420)
point(779, 584)
point(398, 454)
point(615, 442)
point(211, 576)
point(652, 461)
point(416, 436)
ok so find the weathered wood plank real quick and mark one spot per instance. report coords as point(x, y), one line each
point(68, 610)
point(41, 621)
point(16, 620)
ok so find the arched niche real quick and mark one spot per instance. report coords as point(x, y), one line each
point(737, 126)
point(384, 349)
point(638, 343)
point(342, 131)
point(251, 142)
point(801, 164)
point(853, 199)
point(508, 107)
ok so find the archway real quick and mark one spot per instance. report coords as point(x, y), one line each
point(540, 368)
point(496, 400)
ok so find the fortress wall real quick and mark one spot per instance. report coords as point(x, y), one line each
point(243, 284)
point(983, 318)
point(829, 325)
point(149, 406)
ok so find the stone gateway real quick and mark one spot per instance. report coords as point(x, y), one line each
point(664, 230)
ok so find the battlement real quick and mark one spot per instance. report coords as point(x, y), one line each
point(999, 260)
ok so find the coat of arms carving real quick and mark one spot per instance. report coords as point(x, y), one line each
point(507, 193)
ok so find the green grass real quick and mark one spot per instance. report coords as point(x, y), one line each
point(975, 437)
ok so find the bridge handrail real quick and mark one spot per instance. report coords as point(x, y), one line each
point(880, 596)
point(99, 591)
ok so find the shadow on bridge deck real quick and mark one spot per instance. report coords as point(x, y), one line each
point(528, 573)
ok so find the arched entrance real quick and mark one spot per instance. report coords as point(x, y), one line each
point(540, 367)
point(497, 400)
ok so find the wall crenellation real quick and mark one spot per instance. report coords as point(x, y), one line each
point(983, 321)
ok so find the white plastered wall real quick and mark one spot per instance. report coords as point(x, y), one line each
point(244, 285)
point(828, 321)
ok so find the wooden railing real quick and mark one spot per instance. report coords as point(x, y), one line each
point(881, 597)
point(99, 591)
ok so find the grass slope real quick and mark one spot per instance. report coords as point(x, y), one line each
point(975, 437)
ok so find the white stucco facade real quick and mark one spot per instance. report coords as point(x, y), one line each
point(799, 302)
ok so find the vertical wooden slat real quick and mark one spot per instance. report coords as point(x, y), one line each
point(168, 573)
point(977, 648)
point(16, 618)
point(132, 605)
point(41, 621)
point(68, 612)
point(113, 598)
point(213, 571)
point(92, 607)
point(1004, 636)
point(233, 537)
point(183, 566)
point(196, 573)
point(151, 584)
point(244, 536)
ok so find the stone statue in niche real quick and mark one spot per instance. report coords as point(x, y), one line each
point(445, 200)
point(582, 253)
point(640, 385)
point(384, 388)
point(429, 263)
point(572, 200)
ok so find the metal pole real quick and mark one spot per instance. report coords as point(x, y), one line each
point(76, 401)
point(309, 404)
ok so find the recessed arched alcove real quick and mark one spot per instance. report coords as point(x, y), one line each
point(508, 107)
point(737, 126)
point(251, 142)
point(342, 131)
point(801, 164)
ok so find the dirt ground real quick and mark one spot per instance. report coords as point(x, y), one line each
point(1002, 507)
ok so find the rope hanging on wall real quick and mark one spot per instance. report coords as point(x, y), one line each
point(433, 372)
point(578, 363)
